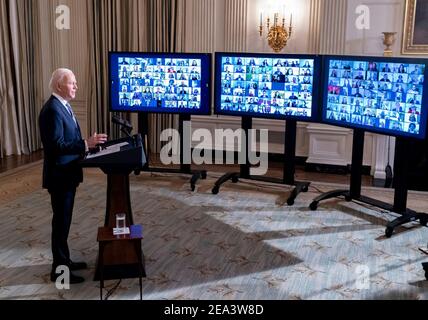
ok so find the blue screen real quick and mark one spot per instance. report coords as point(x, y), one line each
point(160, 83)
point(267, 85)
point(384, 95)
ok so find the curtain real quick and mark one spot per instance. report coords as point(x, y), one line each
point(130, 25)
point(20, 93)
point(103, 19)
point(166, 19)
point(115, 25)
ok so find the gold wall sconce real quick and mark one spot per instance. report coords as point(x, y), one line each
point(277, 34)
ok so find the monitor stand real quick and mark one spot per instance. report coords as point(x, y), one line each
point(184, 168)
point(425, 266)
point(289, 164)
point(400, 191)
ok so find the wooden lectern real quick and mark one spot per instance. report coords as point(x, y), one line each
point(118, 159)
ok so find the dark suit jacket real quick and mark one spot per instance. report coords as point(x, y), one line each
point(63, 147)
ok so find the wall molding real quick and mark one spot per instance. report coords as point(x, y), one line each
point(236, 15)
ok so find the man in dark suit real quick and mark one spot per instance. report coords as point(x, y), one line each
point(63, 148)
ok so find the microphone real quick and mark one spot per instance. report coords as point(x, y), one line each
point(125, 126)
point(121, 122)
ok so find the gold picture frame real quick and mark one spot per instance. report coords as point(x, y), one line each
point(415, 35)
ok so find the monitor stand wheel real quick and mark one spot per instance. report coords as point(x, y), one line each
point(234, 176)
point(425, 266)
point(193, 180)
point(389, 231)
point(328, 195)
point(195, 177)
point(298, 188)
point(405, 218)
point(215, 190)
point(423, 220)
point(314, 205)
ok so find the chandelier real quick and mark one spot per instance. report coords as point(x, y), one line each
point(277, 34)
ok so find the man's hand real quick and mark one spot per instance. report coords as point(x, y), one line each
point(96, 139)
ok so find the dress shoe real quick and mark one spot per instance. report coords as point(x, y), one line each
point(77, 265)
point(73, 278)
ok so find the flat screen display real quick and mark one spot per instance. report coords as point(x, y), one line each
point(267, 85)
point(160, 82)
point(384, 95)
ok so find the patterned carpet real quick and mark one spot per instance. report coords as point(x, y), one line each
point(243, 243)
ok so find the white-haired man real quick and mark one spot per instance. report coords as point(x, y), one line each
point(63, 148)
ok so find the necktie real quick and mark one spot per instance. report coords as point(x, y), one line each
point(70, 111)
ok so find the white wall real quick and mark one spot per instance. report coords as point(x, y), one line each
point(385, 16)
point(299, 41)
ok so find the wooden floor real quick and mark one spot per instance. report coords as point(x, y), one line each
point(275, 169)
point(13, 162)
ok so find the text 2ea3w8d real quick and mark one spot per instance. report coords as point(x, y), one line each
point(235, 309)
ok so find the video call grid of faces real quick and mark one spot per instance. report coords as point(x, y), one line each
point(379, 95)
point(159, 83)
point(267, 85)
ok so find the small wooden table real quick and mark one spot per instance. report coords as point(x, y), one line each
point(124, 250)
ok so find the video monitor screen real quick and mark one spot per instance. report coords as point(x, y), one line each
point(160, 82)
point(383, 95)
point(267, 85)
